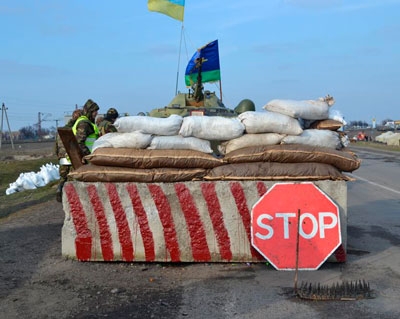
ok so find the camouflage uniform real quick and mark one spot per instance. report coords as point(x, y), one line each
point(85, 129)
point(107, 124)
point(61, 152)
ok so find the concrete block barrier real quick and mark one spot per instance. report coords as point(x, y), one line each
point(171, 222)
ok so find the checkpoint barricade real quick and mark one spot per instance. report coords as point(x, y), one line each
point(193, 221)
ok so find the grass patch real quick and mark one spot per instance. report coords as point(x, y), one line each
point(10, 171)
point(376, 145)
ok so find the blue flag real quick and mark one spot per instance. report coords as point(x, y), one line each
point(210, 69)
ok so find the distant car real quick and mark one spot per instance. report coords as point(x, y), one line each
point(384, 128)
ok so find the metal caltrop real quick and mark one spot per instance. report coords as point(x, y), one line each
point(173, 8)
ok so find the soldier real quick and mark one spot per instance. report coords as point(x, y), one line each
point(107, 124)
point(85, 129)
point(64, 162)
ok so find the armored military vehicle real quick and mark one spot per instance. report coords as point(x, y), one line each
point(203, 67)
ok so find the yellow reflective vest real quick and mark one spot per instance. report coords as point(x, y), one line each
point(90, 138)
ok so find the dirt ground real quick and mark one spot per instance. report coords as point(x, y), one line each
point(37, 282)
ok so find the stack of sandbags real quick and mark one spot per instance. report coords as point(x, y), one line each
point(319, 123)
point(285, 162)
point(266, 145)
point(290, 140)
point(148, 149)
point(309, 122)
point(394, 140)
point(389, 138)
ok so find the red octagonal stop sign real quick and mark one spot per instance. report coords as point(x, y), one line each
point(275, 230)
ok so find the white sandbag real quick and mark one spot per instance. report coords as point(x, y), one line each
point(178, 142)
point(48, 173)
point(344, 139)
point(24, 181)
point(314, 137)
point(12, 189)
point(134, 139)
point(305, 109)
point(37, 179)
point(212, 128)
point(269, 122)
point(248, 140)
point(393, 140)
point(383, 138)
point(337, 116)
point(149, 125)
point(30, 180)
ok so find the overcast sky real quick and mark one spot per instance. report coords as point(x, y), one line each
point(57, 54)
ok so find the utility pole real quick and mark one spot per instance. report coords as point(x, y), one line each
point(4, 113)
point(39, 125)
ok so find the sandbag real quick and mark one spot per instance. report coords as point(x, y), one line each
point(212, 128)
point(331, 125)
point(269, 122)
point(313, 137)
point(178, 142)
point(135, 139)
point(110, 174)
point(276, 171)
point(393, 140)
point(337, 116)
point(345, 161)
point(147, 158)
point(383, 138)
point(305, 109)
point(149, 125)
point(248, 140)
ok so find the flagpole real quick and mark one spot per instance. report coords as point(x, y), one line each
point(179, 61)
point(220, 90)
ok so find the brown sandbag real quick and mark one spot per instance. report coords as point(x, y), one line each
point(331, 125)
point(345, 161)
point(147, 158)
point(276, 171)
point(96, 173)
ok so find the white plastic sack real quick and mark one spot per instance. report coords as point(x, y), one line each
point(383, 138)
point(394, 140)
point(134, 139)
point(337, 116)
point(248, 140)
point(149, 125)
point(179, 142)
point(344, 139)
point(306, 109)
point(269, 122)
point(313, 137)
point(31, 180)
point(212, 128)
point(48, 172)
point(24, 181)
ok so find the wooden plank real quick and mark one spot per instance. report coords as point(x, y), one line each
point(71, 146)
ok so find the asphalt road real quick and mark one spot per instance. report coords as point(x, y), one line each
point(36, 282)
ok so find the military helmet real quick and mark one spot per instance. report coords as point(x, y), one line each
point(112, 113)
point(90, 107)
point(244, 106)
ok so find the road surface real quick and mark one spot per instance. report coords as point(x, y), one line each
point(37, 282)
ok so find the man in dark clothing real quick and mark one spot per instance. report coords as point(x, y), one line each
point(107, 124)
point(64, 162)
point(85, 129)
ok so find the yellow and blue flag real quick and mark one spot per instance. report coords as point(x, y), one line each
point(210, 69)
point(172, 8)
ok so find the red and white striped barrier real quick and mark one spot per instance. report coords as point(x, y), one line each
point(170, 222)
